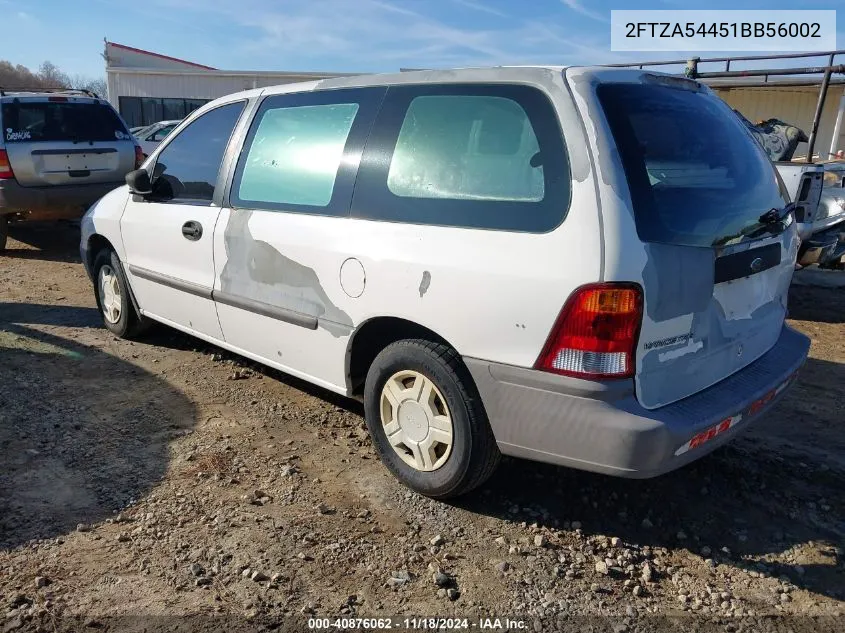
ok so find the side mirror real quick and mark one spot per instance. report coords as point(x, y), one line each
point(139, 182)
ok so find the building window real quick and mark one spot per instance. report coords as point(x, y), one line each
point(138, 111)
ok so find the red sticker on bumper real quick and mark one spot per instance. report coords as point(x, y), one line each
point(728, 423)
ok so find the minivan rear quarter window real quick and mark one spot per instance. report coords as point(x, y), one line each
point(466, 148)
point(696, 176)
point(467, 155)
point(34, 121)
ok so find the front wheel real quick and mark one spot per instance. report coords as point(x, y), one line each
point(111, 291)
point(427, 420)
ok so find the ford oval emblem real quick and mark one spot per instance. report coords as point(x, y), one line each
point(756, 265)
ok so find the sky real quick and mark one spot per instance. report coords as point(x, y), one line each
point(336, 35)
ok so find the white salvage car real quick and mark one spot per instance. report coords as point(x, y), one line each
point(150, 136)
point(581, 266)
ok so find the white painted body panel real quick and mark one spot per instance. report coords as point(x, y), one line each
point(491, 294)
point(103, 219)
point(153, 241)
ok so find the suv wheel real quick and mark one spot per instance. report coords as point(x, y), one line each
point(111, 291)
point(4, 232)
point(427, 420)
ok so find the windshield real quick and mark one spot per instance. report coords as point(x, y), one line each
point(696, 176)
point(142, 131)
point(33, 121)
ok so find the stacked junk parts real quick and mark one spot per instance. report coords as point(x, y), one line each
point(816, 183)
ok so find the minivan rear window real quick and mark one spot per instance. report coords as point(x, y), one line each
point(696, 176)
point(35, 121)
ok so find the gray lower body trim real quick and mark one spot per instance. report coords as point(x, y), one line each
point(307, 321)
point(265, 309)
point(172, 282)
point(603, 428)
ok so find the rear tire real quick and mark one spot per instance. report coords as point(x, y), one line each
point(112, 293)
point(419, 394)
point(4, 232)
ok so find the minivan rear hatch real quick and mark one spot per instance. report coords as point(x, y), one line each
point(719, 240)
point(65, 141)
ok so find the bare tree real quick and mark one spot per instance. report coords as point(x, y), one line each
point(97, 85)
point(52, 77)
point(18, 77)
point(48, 76)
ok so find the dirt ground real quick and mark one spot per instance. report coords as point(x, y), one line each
point(167, 483)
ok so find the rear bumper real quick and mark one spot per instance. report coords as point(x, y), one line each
point(45, 203)
point(602, 428)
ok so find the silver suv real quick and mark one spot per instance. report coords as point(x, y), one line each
point(59, 153)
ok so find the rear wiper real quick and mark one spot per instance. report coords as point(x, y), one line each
point(773, 217)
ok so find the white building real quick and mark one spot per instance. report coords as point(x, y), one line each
point(147, 87)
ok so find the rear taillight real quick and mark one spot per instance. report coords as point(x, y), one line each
point(596, 333)
point(5, 166)
point(139, 157)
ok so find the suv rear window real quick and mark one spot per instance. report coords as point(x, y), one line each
point(35, 121)
point(695, 174)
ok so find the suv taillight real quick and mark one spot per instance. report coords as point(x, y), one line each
point(5, 166)
point(596, 333)
point(139, 157)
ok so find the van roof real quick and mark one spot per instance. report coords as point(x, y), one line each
point(541, 76)
point(506, 74)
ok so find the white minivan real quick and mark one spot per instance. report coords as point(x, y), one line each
point(582, 266)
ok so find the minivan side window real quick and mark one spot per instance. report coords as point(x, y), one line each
point(187, 167)
point(466, 148)
point(295, 154)
point(467, 155)
point(302, 151)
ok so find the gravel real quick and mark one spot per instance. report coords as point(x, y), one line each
point(263, 498)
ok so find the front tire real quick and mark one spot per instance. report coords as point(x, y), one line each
point(427, 420)
point(111, 291)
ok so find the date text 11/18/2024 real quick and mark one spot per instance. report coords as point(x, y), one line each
point(417, 624)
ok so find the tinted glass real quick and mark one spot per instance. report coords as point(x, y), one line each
point(696, 175)
point(145, 131)
point(466, 148)
point(173, 109)
point(187, 167)
point(489, 156)
point(161, 134)
point(148, 110)
point(152, 110)
point(295, 154)
point(130, 110)
point(28, 121)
